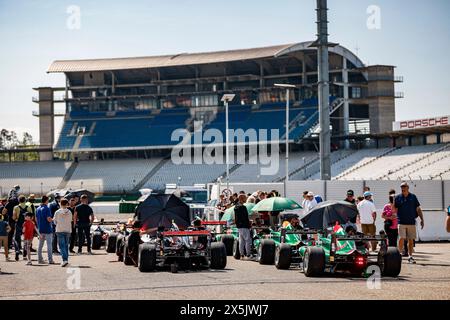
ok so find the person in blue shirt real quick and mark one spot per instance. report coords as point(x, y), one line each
point(54, 206)
point(407, 207)
point(44, 223)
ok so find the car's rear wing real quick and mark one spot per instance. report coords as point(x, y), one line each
point(214, 223)
point(185, 233)
point(359, 238)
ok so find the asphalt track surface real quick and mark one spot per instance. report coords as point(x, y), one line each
point(102, 277)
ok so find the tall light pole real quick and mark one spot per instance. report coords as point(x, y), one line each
point(287, 87)
point(322, 45)
point(227, 98)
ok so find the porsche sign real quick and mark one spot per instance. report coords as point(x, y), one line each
point(421, 123)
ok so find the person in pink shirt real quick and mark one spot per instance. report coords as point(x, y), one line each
point(390, 221)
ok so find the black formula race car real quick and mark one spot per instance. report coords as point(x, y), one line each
point(190, 249)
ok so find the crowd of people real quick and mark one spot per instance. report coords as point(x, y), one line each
point(399, 213)
point(64, 221)
point(58, 224)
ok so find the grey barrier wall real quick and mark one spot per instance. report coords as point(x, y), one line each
point(432, 194)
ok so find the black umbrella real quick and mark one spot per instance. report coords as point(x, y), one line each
point(161, 209)
point(79, 193)
point(327, 213)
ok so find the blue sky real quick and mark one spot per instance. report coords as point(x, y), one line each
point(414, 36)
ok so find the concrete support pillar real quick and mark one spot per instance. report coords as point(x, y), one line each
point(261, 76)
point(346, 110)
point(46, 122)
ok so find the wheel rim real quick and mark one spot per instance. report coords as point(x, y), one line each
point(259, 252)
point(277, 256)
point(305, 262)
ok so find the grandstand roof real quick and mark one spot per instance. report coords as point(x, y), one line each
point(187, 59)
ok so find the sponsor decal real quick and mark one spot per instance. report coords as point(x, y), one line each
point(421, 123)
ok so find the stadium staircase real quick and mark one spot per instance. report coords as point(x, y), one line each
point(335, 157)
point(298, 170)
point(354, 168)
point(151, 173)
point(68, 175)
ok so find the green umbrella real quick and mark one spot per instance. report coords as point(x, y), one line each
point(229, 213)
point(276, 204)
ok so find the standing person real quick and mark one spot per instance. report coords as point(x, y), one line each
point(2, 205)
point(4, 230)
point(407, 207)
point(19, 213)
point(72, 205)
point(14, 192)
point(304, 198)
point(8, 213)
point(390, 222)
point(447, 223)
point(242, 222)
point(45, 227)
point(83, 218)
point(309, 202)
point(350, 198)
point(54, 206)
point(63, 222)
point(28, 231)
point(30, 203)
point(367, 217)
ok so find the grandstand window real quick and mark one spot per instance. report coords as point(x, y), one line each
point(204, 100)
point(356, 92)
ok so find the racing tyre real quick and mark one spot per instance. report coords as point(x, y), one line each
point(119, 247)
point(96, 240)
point(218, 255)
point(126, 258)
point(236, 252)
point(283, 256)
point(266, 251)
point(111, 243)
point(146, 257)
point(390, 262)
point(228, 241)
point(314, 262)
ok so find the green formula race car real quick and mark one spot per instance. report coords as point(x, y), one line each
point(263, 246)
point(221, 233)
point(335, 250)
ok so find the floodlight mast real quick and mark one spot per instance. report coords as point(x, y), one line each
point(227, 98)
point(323, 89)
point(287, 87)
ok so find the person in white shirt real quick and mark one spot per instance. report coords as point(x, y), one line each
point(63, 222)
point(367, 217)
point(309, 203)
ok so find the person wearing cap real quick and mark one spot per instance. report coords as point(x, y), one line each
point(407, 207)
point(350, 198)
point(367, 216)
point(309, 203)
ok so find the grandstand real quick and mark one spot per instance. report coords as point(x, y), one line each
point(427, 162)
point(120, 115)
